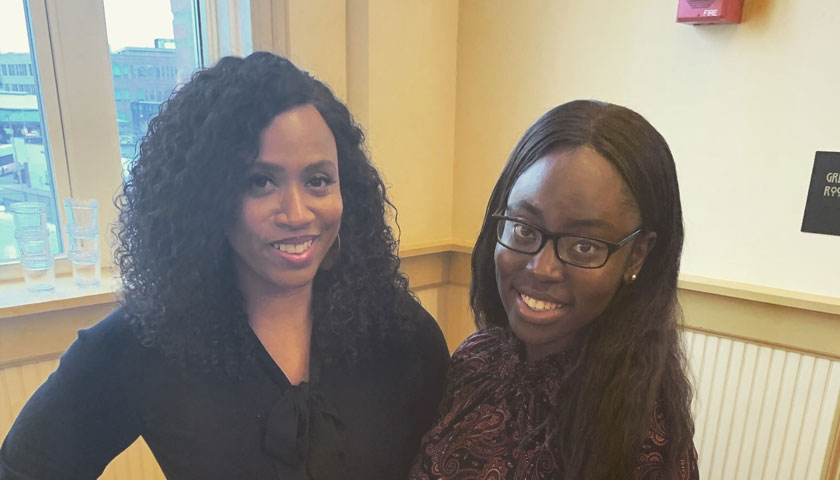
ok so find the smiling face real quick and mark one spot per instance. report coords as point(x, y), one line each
point(578, 192)
point(291, 211)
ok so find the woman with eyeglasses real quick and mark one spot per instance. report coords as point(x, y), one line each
point(577, 370)
point(265, 331)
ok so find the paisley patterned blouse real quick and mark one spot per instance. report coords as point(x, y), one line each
point(495, 417)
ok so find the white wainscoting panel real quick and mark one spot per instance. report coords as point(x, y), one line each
point(760, 412)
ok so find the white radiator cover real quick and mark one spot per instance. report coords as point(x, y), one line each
point(760, 412)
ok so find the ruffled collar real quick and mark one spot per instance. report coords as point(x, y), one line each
point(304, 435)
point(302, 432)
point(543, 375)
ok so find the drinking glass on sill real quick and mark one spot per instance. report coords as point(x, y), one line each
point(39, 272)
point(30, 219)
point(83, 241)
point(83, 252)
point(81, 214)
point(34, 244)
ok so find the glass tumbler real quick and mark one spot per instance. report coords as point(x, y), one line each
point(83, 241)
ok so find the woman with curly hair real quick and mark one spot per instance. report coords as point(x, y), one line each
point(577, 371)
point(264, 329)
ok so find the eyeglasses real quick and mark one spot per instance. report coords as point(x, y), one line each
point(584, 252)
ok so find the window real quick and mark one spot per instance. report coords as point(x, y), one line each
point(4, 69)
point(26, 172)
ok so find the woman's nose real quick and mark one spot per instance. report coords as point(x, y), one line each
point(293, 210)
point(545, 265)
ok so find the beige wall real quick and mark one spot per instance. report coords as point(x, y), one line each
point(315, 36)
point(401, 83)
point(744, 108)
point(394, 63)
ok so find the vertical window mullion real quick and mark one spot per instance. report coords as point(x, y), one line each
point(88, 113)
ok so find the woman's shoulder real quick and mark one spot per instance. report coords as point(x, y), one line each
point(486, 342)
point(418, 315)
point(111, 343)
point(416, 344)
point(426, 334)
point(115, 335)
point(483, 352)
point(116, 326)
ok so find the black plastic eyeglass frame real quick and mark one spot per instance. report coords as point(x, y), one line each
point(612, 247)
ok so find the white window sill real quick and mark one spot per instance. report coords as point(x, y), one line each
point(16, 300)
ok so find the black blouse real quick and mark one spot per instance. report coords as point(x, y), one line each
point(360, 422)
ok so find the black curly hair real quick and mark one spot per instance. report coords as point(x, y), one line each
point(631, 356)
point(185, 190)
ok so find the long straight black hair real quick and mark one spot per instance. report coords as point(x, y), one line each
point(631, 357)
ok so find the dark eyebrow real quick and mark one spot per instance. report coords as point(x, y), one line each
point(268, 166)
point(277, 169)
point(569, 225)
point(323, 164)
point(588, 222)
point(527, 206)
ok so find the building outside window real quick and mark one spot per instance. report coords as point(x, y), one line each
point(168, 44)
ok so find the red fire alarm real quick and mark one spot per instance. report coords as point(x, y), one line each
point(703, 12)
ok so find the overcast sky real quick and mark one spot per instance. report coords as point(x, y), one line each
point(130, 24)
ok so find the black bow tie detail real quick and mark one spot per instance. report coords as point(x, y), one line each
point(304, 433)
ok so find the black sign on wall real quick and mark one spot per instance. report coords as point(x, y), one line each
point(822, 211)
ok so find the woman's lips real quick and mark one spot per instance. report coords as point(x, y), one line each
point(297, 251)
point(539, 305)
point(537, 310)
